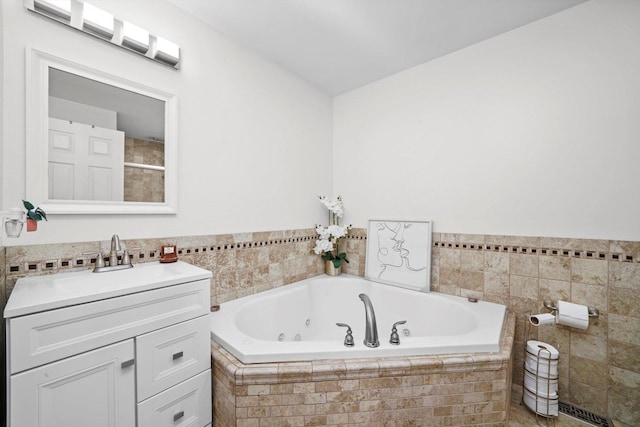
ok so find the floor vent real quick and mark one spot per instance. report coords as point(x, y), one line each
point(584, 415)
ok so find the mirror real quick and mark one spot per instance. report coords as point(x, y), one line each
point(98, 143)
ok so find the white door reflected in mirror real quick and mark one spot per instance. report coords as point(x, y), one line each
point(85, 162)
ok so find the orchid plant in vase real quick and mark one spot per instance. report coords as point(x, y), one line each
point(329, 236)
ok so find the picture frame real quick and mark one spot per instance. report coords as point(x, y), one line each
point(399, 253)
point(168, 253)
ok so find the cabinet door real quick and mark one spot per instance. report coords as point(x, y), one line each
point(95, 389)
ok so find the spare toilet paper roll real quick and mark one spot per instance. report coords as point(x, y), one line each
point(542, 350)
point(542, 319)
point(574, 315)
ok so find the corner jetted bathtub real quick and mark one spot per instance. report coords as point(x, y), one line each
point(297, 322)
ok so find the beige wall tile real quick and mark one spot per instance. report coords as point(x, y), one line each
point(589, 347)
point(523, 264)
point(624, 328)
point(624, 275)
point(554, 290)
point(523, 287)
point(449, 277)
point(623, 409)
point(496, 283)
point(624, 301)
point(496, 262)
point(449, 259)
point(593, 272)
point(472, 280)
point(589, 295)
point(588, 372)
point(624, 355)
point(471, 260)
point(625, 382)
point(554, 267)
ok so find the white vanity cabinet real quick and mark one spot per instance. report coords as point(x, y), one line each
point(122, 348)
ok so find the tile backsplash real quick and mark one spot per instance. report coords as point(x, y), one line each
point(599, 368)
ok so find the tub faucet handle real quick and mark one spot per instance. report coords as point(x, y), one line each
point(348, 340)
point(395, 338)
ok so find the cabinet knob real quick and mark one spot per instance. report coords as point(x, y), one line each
point(177, 355)
point(127, 363)
point(177, 416)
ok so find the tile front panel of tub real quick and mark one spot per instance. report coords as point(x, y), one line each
point(460, 390)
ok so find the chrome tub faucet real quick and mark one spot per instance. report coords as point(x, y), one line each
point(371, 332)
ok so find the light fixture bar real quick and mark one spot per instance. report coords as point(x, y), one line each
point(101, 24)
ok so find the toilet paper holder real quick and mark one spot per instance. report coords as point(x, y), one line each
point(593, 312)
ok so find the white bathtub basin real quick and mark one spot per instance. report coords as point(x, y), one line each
point(298, 322)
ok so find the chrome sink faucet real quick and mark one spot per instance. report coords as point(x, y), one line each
point(371, 332)
point(116, 247)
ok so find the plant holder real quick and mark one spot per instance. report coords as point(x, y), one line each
point(32, 224)
point(331, 269)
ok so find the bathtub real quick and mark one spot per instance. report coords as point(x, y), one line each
point(297, 322)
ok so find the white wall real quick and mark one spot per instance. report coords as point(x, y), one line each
point(251, 135)
point(534, 132)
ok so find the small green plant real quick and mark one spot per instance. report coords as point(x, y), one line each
point(34, 213)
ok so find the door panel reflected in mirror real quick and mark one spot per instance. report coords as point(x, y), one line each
point(89, 122)
point(98, 143)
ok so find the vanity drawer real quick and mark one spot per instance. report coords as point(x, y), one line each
point(171, 355)
point(187, 404)
point(44, 337)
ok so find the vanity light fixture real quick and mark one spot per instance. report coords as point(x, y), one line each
point(97, 21)
point(135, 38)
point(101, 24)
point(167, 51)
point(60, 9)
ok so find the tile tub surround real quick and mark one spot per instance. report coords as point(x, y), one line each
point(599, 369)
point(464, 389)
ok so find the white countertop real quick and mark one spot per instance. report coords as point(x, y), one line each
point(47, 292)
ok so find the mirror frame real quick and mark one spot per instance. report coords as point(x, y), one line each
point(37, 130)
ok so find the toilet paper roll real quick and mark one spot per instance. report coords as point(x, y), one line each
point(544, 350)
point(574, 315)
point(542, 319)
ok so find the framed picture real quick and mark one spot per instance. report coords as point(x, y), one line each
point(168, 253)
point(399, 253)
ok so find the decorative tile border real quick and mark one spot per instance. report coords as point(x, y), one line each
point(62, 264)
point(545, 251)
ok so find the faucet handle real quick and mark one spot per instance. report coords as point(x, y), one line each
point(126, 258)
point(348, 339)
point(395, 338)
point(99, 258)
